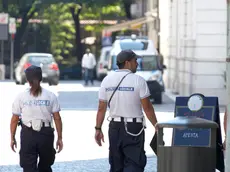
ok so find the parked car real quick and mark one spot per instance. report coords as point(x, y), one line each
point(102, 64)
point(148, 65)
point(70, 71)
point(50, 69)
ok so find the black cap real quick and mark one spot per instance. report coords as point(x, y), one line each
point(126, 55)
point(33, 73)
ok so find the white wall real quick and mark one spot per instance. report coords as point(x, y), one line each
point(194, 46)
point(165, 23)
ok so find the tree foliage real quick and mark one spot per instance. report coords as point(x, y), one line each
point(106, 12)
point(25, 11)
point(65, 34)
point(62, 29)
point(64, 20)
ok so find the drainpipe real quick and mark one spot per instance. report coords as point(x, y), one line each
point(176, 80)
point(158, 29)
point(227, 152)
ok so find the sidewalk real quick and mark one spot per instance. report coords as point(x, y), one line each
point(84, 166)
point(171, 95)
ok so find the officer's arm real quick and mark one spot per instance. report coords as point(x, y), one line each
point(83, 61)
point(149, 111)
point(13, 126)
point(94, 60)
point(58, 124)
point(101, 113)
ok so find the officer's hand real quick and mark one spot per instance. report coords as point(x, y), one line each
point(99, 137)
point(13, 144)
point(59, 145)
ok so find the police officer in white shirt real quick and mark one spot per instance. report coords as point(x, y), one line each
point(36, 107)
point(88, 64)
point(127, 123)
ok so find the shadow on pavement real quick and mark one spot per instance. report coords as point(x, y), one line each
point(88, 101)
point(78, 100)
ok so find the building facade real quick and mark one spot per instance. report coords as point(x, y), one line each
point(192, 37)
point(195, 52)
point(145, 20)
point(148, 9)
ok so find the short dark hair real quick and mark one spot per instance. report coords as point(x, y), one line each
point(121, 65)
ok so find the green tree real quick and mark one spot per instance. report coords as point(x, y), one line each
point(75, 10)
point(28, 9)
point(106, 12)
point(62, 30)
point(64, 20)
point(99, 10)
point(24, 11)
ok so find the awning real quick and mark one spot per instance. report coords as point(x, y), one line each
point(133, 24)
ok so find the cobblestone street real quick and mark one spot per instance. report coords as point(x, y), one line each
point(99, 165)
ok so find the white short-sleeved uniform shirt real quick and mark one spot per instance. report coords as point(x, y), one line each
point(126, 101)
point(30, 107)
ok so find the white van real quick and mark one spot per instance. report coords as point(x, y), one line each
point(102, 64)
point(149, 66)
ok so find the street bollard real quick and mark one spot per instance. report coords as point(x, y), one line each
point(186, 158)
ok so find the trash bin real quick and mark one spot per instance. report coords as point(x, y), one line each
point(186, 158)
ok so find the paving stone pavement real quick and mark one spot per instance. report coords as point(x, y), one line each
point(99, 165)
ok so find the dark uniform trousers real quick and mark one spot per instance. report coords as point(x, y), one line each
point(126, 152)
point(37, 144)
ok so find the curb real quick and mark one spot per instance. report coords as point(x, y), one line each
point(172, 96)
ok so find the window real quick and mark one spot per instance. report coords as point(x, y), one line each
point(134, 45)
point(114, 63)
point(147, 63)
point(41, 59)
point(107, 53)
